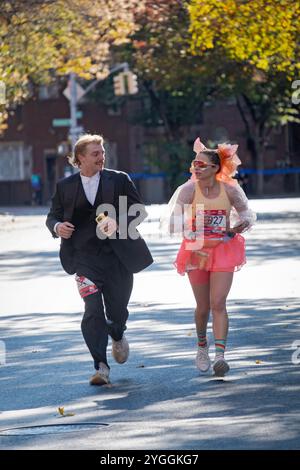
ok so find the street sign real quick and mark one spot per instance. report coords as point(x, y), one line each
point(75, 133)
point(76, 130)
point(65, 122)
point(79, 91)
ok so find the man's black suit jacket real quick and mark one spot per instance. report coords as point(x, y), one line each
point(134, 254)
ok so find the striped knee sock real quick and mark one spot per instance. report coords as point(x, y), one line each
point(220, 345)
point(202, 340)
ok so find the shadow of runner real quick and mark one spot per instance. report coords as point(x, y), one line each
point(160, 380)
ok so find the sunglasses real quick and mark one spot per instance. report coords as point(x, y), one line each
point(201, 164)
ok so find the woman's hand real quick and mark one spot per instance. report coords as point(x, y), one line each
point(241, 227)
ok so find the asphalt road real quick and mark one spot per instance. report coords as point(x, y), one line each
point(157, 400)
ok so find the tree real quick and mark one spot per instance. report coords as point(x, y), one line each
point(175, 83)
point(258, 43)
point(43, 39)
point(187, 53)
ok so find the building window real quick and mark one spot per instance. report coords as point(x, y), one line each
point(15, 161)
point(48, 92)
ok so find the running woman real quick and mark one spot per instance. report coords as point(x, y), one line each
point(211, 210)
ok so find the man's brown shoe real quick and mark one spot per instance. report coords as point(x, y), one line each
point(120, 350)
point(101, 377)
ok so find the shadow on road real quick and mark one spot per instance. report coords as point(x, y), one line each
point(48, 365)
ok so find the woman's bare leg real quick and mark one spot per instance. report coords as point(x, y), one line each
point(201, 294)
point(220, 284)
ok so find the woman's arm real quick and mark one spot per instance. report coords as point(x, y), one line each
point(239, 200)
point(172, 220)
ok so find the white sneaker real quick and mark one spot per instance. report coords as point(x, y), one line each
point(202, 359)
point(101, 377)
point(220, 366)
point(120, 350)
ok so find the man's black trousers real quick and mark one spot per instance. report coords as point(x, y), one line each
point(105, 286)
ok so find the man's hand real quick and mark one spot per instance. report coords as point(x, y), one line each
point(240, 228)
point(108, 226)
point(65, 230)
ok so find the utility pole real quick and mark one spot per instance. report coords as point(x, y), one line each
point(74, 93)
point(73, 109)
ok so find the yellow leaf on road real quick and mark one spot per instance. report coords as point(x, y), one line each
point(61, 410)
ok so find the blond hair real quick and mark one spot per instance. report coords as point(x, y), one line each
point(81, 145)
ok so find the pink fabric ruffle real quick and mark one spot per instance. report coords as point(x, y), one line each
point(229, 256)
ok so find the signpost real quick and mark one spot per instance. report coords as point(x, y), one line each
point(124, 83)
point(65, 122)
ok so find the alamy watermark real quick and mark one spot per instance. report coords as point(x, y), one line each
point(296, 353)
point(296, 93)
point(184, 220)
point(2, 353)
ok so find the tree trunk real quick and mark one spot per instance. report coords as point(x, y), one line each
point(259, 151)
point(159, 108)
point(260, 175)
point(255, 141)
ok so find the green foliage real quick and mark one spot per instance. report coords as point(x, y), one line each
point(173, 158)
point(40, 39)
point(259, 33)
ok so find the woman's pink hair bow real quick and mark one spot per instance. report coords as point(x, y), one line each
point(228, 159)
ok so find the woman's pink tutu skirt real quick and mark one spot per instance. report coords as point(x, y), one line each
point(225, 257)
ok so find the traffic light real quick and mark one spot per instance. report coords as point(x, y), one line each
point(125, 83)
point(132, 83)
point(119, 85)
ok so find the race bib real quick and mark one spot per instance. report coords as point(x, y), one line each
point(214, 221)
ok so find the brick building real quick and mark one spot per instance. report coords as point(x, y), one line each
point(36, 140)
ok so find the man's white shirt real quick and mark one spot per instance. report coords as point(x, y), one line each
point(90, 186)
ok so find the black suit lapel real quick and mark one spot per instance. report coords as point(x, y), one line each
point(99, 198)
point(108, 187)
point(71, 191)
point(105, 193)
